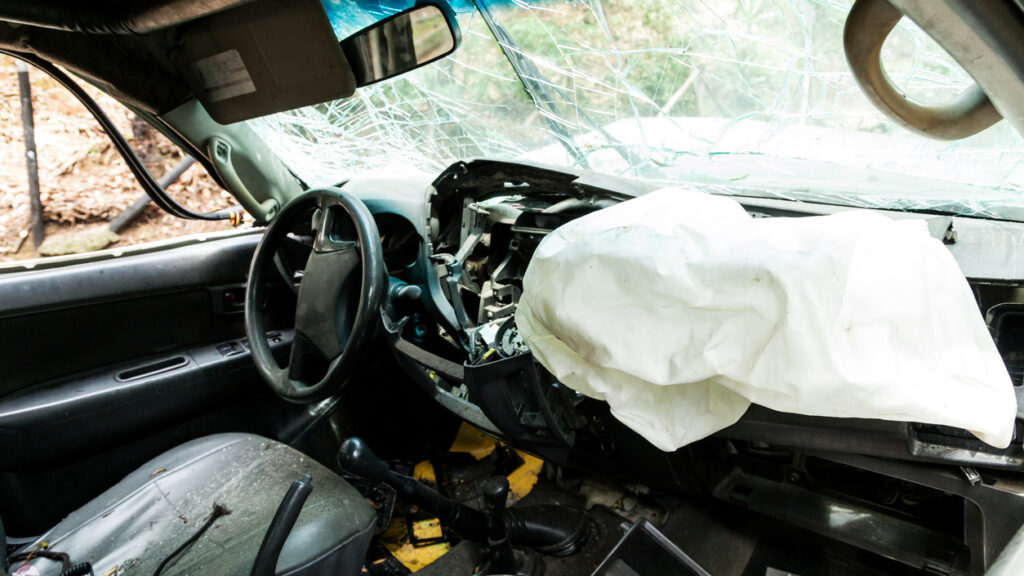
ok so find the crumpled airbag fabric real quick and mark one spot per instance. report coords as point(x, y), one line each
point(680, 309)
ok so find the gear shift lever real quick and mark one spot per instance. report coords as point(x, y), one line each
point(496, 496)
point(548, 529)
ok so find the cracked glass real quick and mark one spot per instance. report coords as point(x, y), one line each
point(749, 98)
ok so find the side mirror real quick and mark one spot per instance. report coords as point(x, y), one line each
point(407, 40)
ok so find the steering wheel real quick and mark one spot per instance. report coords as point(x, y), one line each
point(340, 294)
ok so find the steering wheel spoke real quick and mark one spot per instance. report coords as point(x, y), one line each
point(335, 231)
point(323, 312)
point(339, 297)
point(305, 361)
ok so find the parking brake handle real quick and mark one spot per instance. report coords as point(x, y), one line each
point(281, 526)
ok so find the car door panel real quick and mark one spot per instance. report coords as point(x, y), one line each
point(108, 361)
point(65, 320)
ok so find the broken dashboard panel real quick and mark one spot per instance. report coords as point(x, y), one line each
point(486, 220)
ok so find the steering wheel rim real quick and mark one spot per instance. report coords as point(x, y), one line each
point(338, 250)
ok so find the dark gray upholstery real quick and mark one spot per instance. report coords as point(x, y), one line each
point(142, 519)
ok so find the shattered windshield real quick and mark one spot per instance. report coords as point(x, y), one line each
point(742, 97)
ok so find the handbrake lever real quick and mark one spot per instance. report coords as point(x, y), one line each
point(281, 526)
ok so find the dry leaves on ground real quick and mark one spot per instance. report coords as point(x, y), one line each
point(83, 180)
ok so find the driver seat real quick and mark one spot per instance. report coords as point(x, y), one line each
point(132, 527)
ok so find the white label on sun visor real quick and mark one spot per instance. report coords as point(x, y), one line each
point(224, 76)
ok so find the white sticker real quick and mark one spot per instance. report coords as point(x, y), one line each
point(26, 570)
point(224, 76)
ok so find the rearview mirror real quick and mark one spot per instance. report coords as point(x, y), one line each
point(407, 40)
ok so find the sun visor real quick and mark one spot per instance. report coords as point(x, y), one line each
point(680, 309)
point(264, 57)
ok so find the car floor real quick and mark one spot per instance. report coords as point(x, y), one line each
point(721, 538)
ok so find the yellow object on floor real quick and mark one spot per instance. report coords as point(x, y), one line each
point(470, 441)
point(396, 540)
point(524, 478)
point(427, 529)
point(424, 472)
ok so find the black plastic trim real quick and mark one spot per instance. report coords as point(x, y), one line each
point(43, 424)
point(219, 262)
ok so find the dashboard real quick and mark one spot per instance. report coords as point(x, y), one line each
point(456, 249)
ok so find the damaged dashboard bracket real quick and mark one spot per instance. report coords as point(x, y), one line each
point(510, 392)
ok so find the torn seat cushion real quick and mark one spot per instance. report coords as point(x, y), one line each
point(680, 309)
point(141, 520)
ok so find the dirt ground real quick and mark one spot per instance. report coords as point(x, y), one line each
point(83, 181)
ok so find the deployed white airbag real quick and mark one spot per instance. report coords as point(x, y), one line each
point(679, 309)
